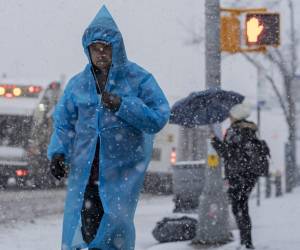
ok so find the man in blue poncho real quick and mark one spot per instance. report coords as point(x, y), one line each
point(104, 126)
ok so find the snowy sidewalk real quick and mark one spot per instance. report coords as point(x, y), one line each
point(276, 226)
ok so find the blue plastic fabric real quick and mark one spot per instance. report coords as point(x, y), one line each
point(126, 140)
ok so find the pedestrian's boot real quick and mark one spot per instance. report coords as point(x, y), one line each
point(246, 239)
point(249, 246)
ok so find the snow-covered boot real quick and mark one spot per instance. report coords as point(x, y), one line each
point(249, 246)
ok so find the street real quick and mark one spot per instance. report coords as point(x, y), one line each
point(276, 223)
point(27, 205)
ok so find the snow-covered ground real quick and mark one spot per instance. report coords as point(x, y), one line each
point(276, 227)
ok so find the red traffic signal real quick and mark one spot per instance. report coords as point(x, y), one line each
point(263, 29)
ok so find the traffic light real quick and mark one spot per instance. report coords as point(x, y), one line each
point(230, 34)
point(263, 29)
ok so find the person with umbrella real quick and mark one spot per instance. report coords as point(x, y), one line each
point(245, 155)
point(104, 126)
point(237, 151)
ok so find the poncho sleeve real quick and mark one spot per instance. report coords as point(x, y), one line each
point(64, 120)
point(149, 111)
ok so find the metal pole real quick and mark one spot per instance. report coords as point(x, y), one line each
point(213, 226)
point(258, 179)
point(268, 186)
point(278, 184)
point(258, 103)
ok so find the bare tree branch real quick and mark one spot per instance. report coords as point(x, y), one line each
point(280, 64)
point(279, 55)
point(270, 79)
point(293, 47)
point(280, 99)
point(195, 39)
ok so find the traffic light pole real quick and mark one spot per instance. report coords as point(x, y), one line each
point(213, 226)
point(258, 110)
point(258, 180)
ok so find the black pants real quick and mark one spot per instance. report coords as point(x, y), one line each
point(92, 209)
point(91, 213)
point(239, 192)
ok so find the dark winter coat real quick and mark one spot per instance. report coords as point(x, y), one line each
point(236, 149)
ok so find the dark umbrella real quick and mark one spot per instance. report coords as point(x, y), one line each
point(204, 107)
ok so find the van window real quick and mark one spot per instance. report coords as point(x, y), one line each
point(15, 130)
point(156, 155)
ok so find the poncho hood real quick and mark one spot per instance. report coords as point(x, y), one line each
point(104, 28)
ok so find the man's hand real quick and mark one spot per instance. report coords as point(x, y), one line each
point(58, 166)
point(111, 101)
point(212, 134)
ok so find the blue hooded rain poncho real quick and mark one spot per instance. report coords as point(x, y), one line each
point(126, 140)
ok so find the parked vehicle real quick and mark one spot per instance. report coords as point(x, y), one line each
point(25, 122)
point(158, 178)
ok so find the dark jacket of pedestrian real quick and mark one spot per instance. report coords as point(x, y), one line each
point(237, 149)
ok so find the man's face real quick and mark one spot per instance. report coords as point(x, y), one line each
point(101, 55)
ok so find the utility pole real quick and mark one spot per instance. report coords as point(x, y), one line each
point(259, 103)
point(213, 224)
point(258, 179)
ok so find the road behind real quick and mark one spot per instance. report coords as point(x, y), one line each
point(37, 219)
point(27, 205)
